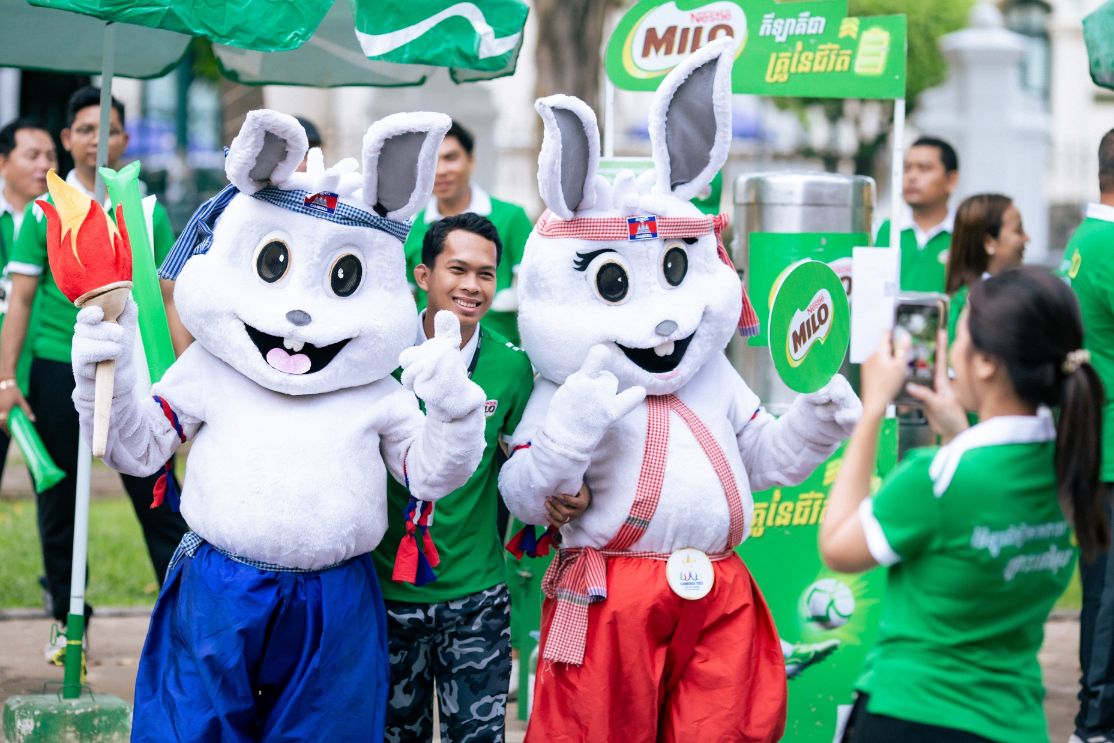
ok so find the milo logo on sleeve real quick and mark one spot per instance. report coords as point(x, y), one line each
point(810, 325)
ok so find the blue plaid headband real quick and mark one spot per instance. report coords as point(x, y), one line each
point(198, 234)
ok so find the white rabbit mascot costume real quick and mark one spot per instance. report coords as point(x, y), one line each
point(270, 625)
point(652, 626)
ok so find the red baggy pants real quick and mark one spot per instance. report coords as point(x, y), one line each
point(660, 668)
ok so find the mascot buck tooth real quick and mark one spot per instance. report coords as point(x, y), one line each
point(627, 303)
point(271, 624)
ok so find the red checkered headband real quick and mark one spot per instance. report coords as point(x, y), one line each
point(638, 228)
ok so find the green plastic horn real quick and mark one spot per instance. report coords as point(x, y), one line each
point(123, 187)
point(44, 472)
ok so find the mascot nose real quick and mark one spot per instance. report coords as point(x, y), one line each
point(298, 317)
point(665, 327)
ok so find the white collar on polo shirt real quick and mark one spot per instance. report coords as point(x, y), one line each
point(480, 204)
point(923, 236)
point(1100, 211)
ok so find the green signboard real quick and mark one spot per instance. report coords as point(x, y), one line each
point(810, 324)
point(799, 49)
point(827, 621)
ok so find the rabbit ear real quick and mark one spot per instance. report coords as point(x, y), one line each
point(570, 155)
point(268, 149)
point(400, 160)
point(690, 121)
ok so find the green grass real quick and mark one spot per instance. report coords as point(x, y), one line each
point(120, 571)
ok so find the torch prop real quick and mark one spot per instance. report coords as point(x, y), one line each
point(91, 260)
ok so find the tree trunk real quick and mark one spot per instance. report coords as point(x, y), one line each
point(570, 47)
point(236, 100)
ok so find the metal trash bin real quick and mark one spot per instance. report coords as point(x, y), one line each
point(779, 219)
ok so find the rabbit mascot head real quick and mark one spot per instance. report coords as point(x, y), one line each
point(297, 280)
point(634, 265)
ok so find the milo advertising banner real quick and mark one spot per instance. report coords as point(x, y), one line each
point(805, 49)
point(828, 621)
point(809, 326)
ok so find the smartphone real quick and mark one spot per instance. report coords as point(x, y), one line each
point(918, 318)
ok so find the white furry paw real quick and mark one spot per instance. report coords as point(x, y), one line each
point(435, 372)
point(589, 403)
point(835, 407)
point(95, 340)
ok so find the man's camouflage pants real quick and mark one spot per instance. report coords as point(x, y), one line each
point(463, 645)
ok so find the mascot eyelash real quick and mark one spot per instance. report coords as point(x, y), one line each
point(583, 259)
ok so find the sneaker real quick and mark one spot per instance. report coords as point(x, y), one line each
point(806, 654)
point(55, 649)
point(1082, 737)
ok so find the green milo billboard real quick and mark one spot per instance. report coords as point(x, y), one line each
point(801, 49)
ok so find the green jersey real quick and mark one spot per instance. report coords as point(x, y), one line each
point(924, 257)
point(979, 551)
point(1090, 268)
point(513, 226)
point(464, 525)
point(54, 314)
point(8, 235)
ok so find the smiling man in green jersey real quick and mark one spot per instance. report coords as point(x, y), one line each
point(1089, 265)
point(453, 634)
point(931, 174)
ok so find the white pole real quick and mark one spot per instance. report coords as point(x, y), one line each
point(897, 173)
point(608, 117)
point(84, 451)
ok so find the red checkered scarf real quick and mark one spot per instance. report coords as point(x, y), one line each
point(578, 577)
point(610, 229)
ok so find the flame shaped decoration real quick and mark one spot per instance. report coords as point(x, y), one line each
point(92, 264)
point(86, 250)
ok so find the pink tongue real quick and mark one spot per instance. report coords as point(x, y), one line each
point(299, 363)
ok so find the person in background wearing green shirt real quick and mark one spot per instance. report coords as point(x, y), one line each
point(988, 239)
point(454, 634)
point(26, 155)
point(974, 533)
point(454, 192)
point(1090, 269)
point(52, 381)
point(931, 174)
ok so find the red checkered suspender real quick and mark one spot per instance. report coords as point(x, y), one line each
point(648, 494)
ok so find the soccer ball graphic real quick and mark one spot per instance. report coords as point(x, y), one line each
point(829, 603)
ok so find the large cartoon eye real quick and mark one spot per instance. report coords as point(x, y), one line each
point(612, 282)
point(674, 265)
point(272, 261)
point(345, 275)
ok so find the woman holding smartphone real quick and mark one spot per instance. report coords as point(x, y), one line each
point(988, 238)
point(975, 532)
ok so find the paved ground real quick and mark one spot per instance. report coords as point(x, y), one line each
point(115, 643)
point(117, 640)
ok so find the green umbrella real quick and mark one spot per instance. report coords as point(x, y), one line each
point(1098, 33)
point(323, 43)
